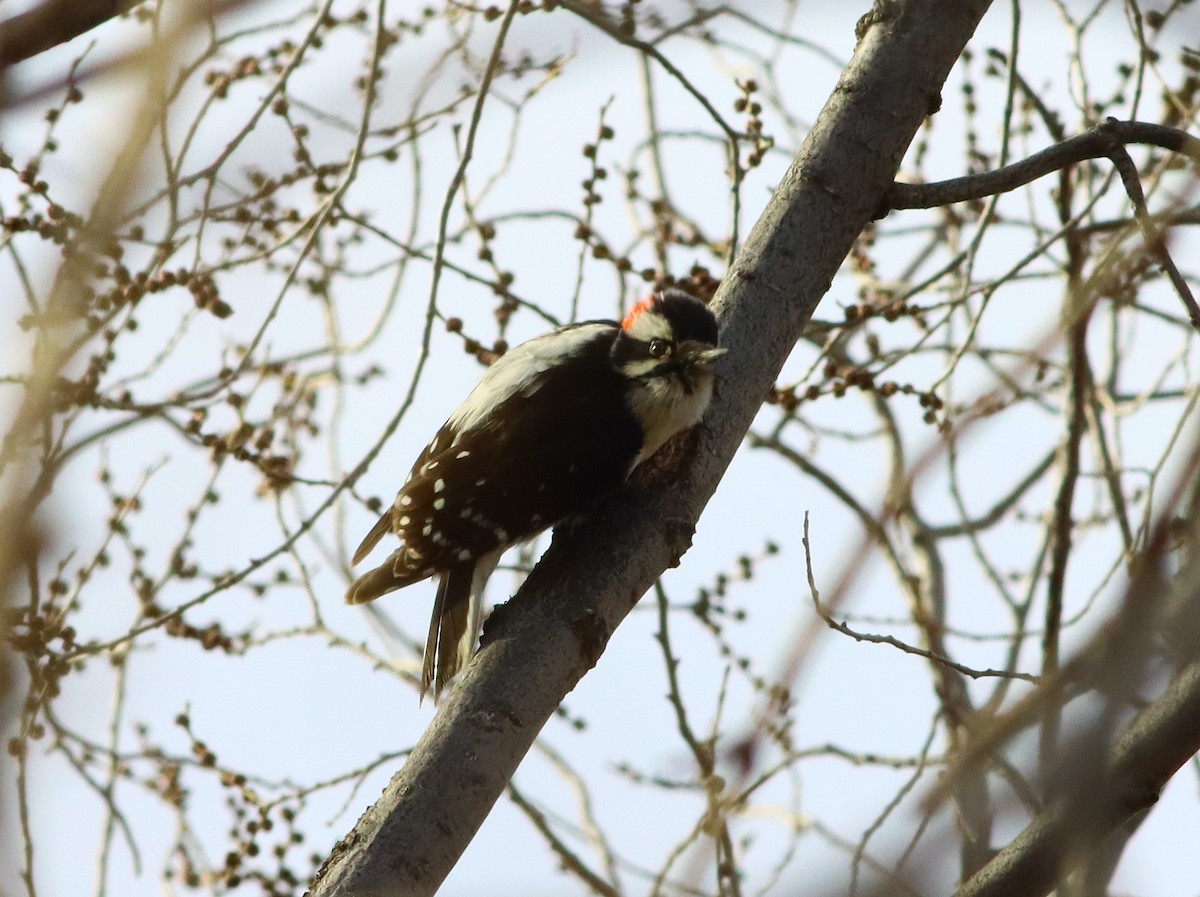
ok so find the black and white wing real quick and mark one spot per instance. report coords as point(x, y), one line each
point(534, 443)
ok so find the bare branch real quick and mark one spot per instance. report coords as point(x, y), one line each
point(54, 22)
point(1164, 737)
point(1094, 144)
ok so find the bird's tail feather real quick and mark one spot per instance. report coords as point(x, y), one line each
point(456, 621)
point(394, 573)
point(382, 527)
point(447, 626)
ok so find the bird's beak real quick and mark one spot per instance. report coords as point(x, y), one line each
point(706, 357)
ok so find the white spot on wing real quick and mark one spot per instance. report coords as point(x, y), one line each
point(462, 455)
point(405, 501)
point(405, 520)
point(439, 485)
point(439, 503)
point(464, 555)
point(427, 529)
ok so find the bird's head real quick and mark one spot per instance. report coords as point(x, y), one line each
point(669, 336)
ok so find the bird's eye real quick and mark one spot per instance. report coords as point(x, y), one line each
point(660, 348)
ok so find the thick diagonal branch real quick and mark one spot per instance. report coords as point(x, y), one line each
point(590, 579)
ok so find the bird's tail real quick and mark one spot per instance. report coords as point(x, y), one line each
point(382, 527)
point(447, 629)
point(456, 621)
point(394, 573)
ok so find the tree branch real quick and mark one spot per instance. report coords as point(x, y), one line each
point(592, 576)
point(1105, 141)
point(1152, 749)
point(1094, 144)
point(54, 22)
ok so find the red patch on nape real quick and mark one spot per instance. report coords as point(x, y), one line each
point(637, 311)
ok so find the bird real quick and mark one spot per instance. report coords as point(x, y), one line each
point(552, 426)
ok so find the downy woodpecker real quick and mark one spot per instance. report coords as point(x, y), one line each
point(554, 424)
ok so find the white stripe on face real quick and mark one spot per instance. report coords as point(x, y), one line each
point(649, 325)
